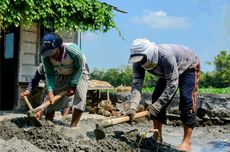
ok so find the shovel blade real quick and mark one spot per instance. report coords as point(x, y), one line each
point(34, 120)
point(99, 132)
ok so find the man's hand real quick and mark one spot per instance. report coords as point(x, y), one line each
point(38, 114)
point(154, 109)
point(70, 91)
point(50, 96)
point(25, 93)
point(131, 113)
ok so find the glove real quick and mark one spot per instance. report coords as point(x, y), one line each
point(70, 91)
point(154, 110)
point(131, 113)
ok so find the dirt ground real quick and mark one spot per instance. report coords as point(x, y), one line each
point(17, 135)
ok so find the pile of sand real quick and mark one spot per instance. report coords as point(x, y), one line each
point(98, 83)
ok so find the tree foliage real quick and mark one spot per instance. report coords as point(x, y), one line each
point(115, 76)
point(220, 77)
point(222, 69)
point(121, 76)
point(79, 15)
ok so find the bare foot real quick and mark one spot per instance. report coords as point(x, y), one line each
point(184, 147)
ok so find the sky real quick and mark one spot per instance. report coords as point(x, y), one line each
point(203, 25)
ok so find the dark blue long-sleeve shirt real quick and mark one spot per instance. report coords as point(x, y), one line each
point(39, 75)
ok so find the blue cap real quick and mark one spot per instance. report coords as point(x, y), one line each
point(50, 43)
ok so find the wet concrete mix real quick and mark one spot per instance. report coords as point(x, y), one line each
point(58, 137)
point(18, 135)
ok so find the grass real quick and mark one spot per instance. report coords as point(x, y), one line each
point(201, 90)
point(215, 90)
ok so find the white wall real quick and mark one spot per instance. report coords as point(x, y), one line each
point(29, 51)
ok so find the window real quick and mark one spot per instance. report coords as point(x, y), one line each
point(9, 47)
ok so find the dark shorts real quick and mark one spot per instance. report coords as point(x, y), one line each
point(188, 87)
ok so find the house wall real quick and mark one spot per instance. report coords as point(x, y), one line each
point(69, 36)
point(28, 59)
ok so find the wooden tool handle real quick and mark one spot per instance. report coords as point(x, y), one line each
point(27, 102)
point(48, 102)
point(114, 121)
point(126, 118)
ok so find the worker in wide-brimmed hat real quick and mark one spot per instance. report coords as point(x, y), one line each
point(176, 66)
point(65, 70)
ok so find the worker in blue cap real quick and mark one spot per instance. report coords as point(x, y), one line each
point(65, 69)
